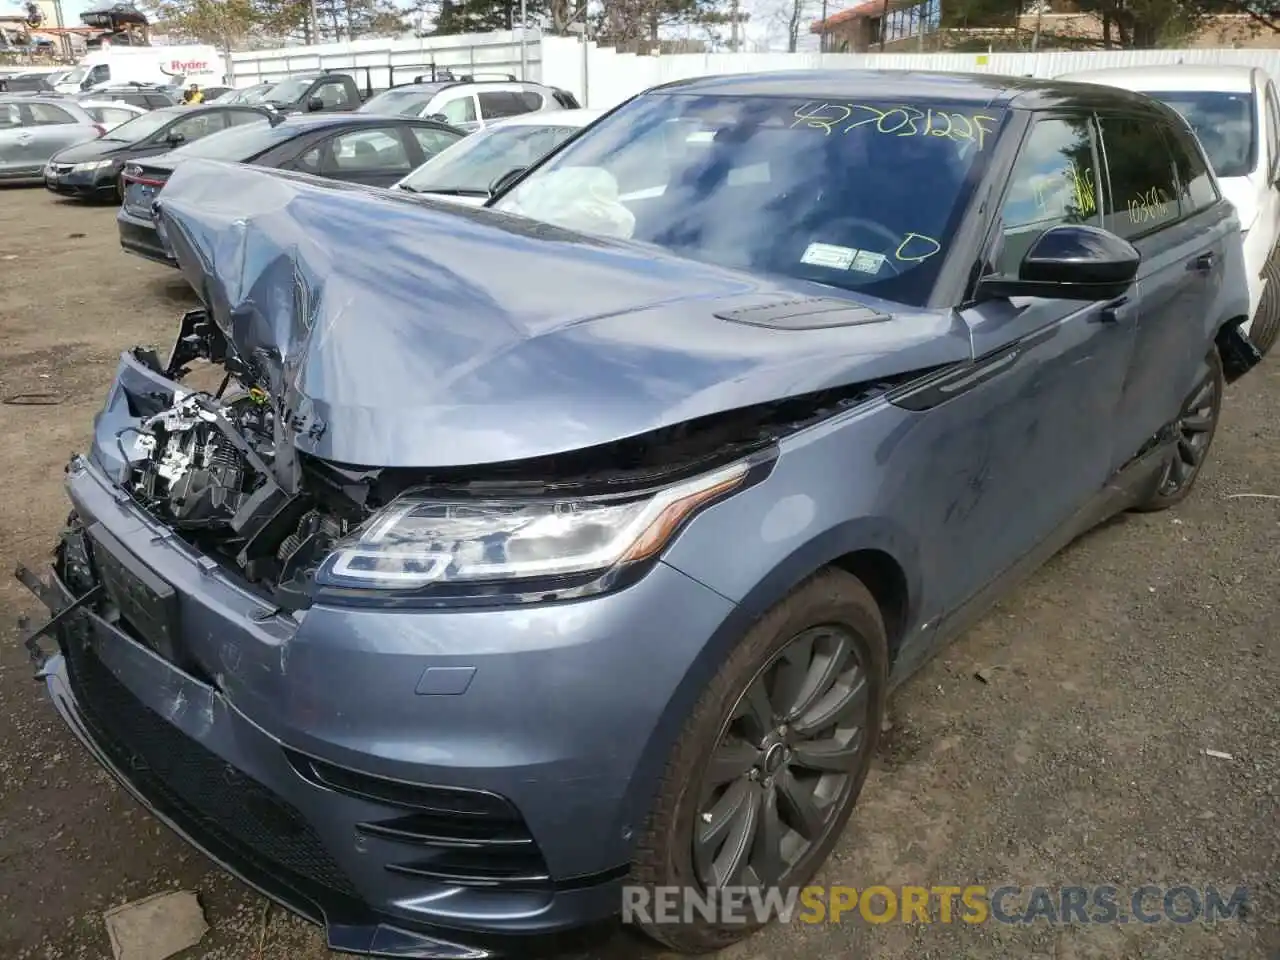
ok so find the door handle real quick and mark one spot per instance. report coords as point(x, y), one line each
point(1203, 263)
point(1110, 312)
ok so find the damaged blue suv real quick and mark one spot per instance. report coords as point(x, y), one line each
point(528, 551)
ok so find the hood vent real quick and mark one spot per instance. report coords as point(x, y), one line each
point(805, 313)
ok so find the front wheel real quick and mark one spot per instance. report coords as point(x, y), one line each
point(1195, 428)
point(769, 766)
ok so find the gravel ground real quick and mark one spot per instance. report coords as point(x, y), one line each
point(1076, 758)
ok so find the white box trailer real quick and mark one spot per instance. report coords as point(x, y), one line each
point(186, 64)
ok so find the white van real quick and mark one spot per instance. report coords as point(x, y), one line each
point(1235, 112)
point(194, 63)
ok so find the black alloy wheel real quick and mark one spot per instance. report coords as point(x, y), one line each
point(1193, 431)
point(769, 765)
point(782, 767)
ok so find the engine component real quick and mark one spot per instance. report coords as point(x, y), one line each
point(192, 473)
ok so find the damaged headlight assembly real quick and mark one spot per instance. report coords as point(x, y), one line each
point(532, 546)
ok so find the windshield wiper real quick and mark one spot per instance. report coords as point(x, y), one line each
point(450, 191)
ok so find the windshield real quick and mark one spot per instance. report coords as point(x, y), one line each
point(239, 143)
point(471, 165)
point(76, 75)
point(856, 195)
point(141, 127)
point(399, 103)
point(1224, 123)
point(288, 91)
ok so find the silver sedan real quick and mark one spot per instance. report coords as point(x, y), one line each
point(32, 129)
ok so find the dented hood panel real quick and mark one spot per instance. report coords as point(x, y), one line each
point(413, 333)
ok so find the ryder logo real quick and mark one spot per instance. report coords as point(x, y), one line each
point(188, 66)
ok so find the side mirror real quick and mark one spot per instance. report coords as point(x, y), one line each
point(314, 104)
point(1070, 262)
point(174, 137)
point(505, 180)
point(438, 118)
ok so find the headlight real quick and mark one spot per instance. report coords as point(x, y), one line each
point(91, 165)
point(418, 541)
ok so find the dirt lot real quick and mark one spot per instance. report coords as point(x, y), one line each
point(1077, 758)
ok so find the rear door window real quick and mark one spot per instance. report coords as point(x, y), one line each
point(44, 114)
point(364, 151)
point(1144, 191)
point(497, 104)
point(1054, 181)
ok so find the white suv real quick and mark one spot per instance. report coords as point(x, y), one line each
point(1235, 112)
point(469, 104)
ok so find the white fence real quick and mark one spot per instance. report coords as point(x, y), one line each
point(395, 61)
point(608, 78)
point(602, 78)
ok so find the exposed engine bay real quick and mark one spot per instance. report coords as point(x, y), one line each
point(218, 468)
point(221, 468)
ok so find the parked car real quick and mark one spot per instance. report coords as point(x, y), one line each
point(212, 94)
point(28, 81)
point(371, 150)
point(111, 113)
point(531, 559)
point(93, 170)
point(254, 94)
point(469, 105)
point(467, 172)
point(33, 128)
point(147, 96)
point(328, 91)
point(1235, 111)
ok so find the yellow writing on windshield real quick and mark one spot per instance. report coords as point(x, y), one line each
point(1148, 206)
point(901, 121)
point(916, 247)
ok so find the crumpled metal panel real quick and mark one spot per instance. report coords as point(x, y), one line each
point(406, 332)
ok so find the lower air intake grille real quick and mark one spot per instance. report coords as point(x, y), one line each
point(454, 837)
point(212, 797)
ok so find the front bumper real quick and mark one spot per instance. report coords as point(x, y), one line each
point(138, 235)
point(90, 184)
point(424, 784)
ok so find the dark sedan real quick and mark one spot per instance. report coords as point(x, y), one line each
point(93, 169)
point(372, 150)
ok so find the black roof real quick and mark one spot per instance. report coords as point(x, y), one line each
point(977, 89)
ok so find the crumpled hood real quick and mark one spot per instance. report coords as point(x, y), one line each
point(406, 332)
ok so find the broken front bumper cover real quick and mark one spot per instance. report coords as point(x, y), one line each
point(350, 925)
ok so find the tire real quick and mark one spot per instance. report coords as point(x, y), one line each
point(1266, 322)
point(831, 611)
point(1203, 406)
